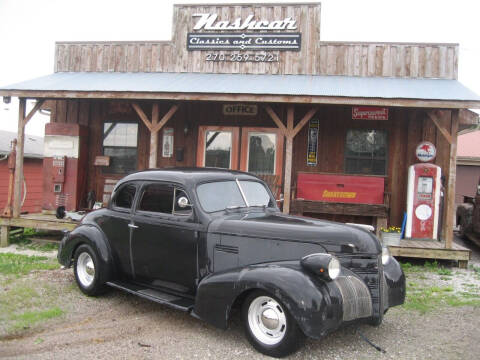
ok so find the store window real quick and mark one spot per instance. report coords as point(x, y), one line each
point(120, 144)
point(366, 152)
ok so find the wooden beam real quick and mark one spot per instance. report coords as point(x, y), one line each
point(18, 182)
point(276, 119)
point(4, 235)
point(152, 161)
point(142, 116)
point(452, 174)
point(468, 117)
point(287, 184)
point(434, 115)
point(33, 111)
point(165, 118)
point(305, 119)
point(272, 98)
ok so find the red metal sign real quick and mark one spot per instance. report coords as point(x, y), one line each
point(341, 188)
point(369, 113)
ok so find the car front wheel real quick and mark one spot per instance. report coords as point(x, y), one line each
point(268, 325)
point(88, 271)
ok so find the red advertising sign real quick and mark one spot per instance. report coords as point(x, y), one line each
point(340, 188)
point(369, 113)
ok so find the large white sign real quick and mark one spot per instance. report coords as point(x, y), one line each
point(209, 22)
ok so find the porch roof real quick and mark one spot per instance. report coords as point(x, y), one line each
point(348, 90)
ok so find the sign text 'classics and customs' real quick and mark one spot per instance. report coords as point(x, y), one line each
point(312, 147)
point(369, 113)
point(426, 151)
point(240, 109)
point(239, 37)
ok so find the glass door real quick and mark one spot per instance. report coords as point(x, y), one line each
point(218, 147)
point(262, 155)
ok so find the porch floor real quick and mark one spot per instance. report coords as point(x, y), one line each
point(35, 221)
point(431, 249)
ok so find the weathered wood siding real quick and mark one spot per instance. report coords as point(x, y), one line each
point(405, 127)
point(315, 57)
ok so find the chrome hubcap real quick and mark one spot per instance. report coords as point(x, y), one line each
point(267, 320)
point(85, 269)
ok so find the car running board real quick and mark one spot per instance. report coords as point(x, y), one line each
point(174, 301)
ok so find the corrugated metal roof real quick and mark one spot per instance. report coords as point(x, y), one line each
point(309, 85)
point(33, 144)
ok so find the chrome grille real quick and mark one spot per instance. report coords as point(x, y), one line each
point(356, 298)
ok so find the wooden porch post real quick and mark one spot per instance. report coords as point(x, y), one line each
point(290, 132)
point(154, 126)
point(452, 174)
point(18, 182)
point(152, 161)
point(287, 184)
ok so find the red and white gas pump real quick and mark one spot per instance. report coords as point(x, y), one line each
point(423, 201)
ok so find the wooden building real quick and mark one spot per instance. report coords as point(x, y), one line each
point(252, 87)
point(32, 191)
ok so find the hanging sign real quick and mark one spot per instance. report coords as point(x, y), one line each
point(369, 113)
point(426, 151)
point(312, 147)
point(167, 148)
point(243, 34)
point(240, 109)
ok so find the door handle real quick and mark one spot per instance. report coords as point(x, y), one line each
point(133, 226)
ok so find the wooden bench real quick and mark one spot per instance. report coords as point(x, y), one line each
point(311, 186)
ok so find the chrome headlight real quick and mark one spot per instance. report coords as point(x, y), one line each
point(385, 255)
point(325, 265)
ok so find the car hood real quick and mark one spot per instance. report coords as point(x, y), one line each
point(334, 237)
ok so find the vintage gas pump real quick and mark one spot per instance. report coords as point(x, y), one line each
point(423, 201)
point(64, 166)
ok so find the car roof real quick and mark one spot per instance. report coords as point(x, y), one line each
point(188, 176)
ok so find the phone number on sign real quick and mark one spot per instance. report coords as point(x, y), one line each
point(236, 57)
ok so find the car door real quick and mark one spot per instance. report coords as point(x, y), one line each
point(164, 239)
point(116, 226)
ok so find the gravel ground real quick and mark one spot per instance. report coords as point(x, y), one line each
point(122, 326)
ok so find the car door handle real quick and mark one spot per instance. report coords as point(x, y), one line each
point(133, 226)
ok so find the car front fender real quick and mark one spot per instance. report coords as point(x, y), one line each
point(315, 304)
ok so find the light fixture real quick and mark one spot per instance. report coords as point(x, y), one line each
point(7, 99)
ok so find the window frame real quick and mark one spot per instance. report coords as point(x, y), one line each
point(385, 158)
point(106, 170)
point(134, 201)
point(155, 214)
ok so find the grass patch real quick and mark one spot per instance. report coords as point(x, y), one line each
point(23, 241)
point(15, 264)
point(427, 298)
point(27, 319)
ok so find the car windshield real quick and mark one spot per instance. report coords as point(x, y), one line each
point(221, 195)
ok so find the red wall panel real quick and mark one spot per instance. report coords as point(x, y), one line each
point(34, 179)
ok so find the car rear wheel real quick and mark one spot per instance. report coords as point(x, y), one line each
point(269, 327)
point(88, 271)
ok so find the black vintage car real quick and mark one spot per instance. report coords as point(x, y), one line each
point(207, 241)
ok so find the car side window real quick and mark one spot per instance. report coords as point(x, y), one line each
point(124, 198)
point(157, 198)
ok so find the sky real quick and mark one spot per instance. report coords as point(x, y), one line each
point(29, 29)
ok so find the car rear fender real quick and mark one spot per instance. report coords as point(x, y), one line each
point(85, 234)
point(313, 303)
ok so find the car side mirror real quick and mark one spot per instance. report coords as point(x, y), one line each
point(182, 202)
